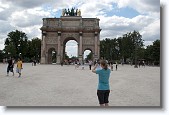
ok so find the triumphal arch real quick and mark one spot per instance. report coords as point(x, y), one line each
point(70, 26)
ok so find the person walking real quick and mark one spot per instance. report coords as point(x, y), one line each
point(10, 66)
point(103, 89)
point(90, 64)
point(19, 67)
point(116, 65)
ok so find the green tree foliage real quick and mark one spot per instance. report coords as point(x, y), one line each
point(34, 47)
point(1, 55)
point(18, 45)
point(152, 53)
point(121, 48)
point(66, 56)
point(89, 56)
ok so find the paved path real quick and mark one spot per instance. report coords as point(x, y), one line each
point(53, 85)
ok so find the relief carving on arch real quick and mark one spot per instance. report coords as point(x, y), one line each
point(51, 38)
point(74, 35)
point(88, 41)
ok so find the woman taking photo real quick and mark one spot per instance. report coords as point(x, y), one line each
point(103, 89)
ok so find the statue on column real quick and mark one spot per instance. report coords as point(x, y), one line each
point(72, 12)
point(69, 12)
point(79, 13)
point(76, 12)
point(63, 12)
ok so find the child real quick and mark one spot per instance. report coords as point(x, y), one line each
point(103, 86)
point(19, 67)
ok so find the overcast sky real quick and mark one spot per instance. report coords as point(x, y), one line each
point(117, 17)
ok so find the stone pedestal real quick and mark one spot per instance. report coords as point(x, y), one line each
point(58, 59)
point(80, 59)
point(43, 60)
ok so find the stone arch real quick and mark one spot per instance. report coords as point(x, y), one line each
point(52, 53)
point(63, 45)
point(91, 52)
point(89, 47)
point(83, 30)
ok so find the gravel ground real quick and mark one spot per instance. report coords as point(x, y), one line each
point(54, 85)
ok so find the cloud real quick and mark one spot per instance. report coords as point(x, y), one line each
point(27, 3)
point(115, 26)
point(151, 32)
point(26, 15)
point(142, 6)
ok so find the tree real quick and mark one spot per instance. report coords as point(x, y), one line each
point(16, 44)
point(34, 48)
point(130, 43)
point(123, 47)
point(152, 53)
point(156, 51)
point(89, 56)
point(2, 54)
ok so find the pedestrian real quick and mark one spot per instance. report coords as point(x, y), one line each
point(143, 63)
point(76, 64)
point(82, 65)
point(116, 66)
point(111, 66)
point(103, 89)
point(10, 66)
point(90, 64)
point(139, 63)
point(34, 62)
point(19, 67)
point(61, 63)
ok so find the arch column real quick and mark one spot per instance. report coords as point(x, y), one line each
point(59, 49)
point(96, 45)
point(43, 48)
point(98, 48)
point(80, 48)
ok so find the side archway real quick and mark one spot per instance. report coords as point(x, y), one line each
point(87, 55)
point(52, 56)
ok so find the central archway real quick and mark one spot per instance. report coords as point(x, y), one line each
point(70, 48)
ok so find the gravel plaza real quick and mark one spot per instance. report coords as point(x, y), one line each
point(55, 85)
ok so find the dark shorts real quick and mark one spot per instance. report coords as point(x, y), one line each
point(9, 69)
point(103, 96)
